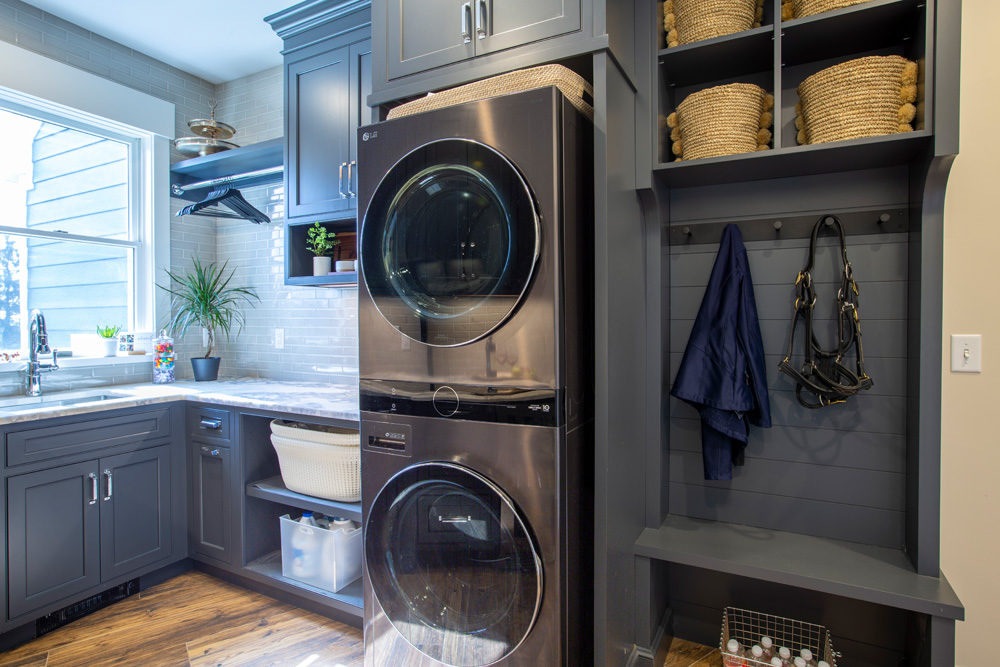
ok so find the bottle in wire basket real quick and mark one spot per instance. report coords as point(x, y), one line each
point(733, 655)
point(757, 654)
point(776, 662)
point(767, 644)
point(822, 663)
point(799, 662)
point(785, 656)
point(807, 656)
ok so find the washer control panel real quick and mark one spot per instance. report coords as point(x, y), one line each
point(502, 405)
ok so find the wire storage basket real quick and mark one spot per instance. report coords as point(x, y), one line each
point(319, 460)
point(864, 97)
point(686, 21)
point(722, 120)
point(799, 9)
point(748, 627)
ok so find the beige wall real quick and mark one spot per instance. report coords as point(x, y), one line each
point(970, 493)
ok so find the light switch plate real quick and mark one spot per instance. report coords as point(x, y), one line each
point(967, 353)
point(279, 339)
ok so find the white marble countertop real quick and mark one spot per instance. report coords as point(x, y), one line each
point(300, 398)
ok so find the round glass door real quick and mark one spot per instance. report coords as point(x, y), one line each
point(452, 564)
point(450, 242)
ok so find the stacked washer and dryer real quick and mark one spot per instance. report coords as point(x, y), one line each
point(475, 312)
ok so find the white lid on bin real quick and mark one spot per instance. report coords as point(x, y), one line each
point(733, 646)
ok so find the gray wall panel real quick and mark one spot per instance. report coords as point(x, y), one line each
point(781, 479)
point(870, 451)
point(840, 521)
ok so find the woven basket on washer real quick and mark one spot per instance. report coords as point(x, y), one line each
point(723, 120)
point(866, 97)
point(686, 21)
point(569, 83)
point(797, 9)
point(321, 461)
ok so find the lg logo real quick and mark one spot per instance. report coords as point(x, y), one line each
point(369, 135)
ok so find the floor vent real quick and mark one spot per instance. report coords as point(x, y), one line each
point(57, 619)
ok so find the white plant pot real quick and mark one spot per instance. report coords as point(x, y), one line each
point(108, 346)
point(322, 265)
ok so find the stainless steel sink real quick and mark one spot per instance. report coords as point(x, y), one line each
point(74, 401)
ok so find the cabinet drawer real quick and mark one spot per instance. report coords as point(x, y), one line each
point(210, 423)
point(85, 435)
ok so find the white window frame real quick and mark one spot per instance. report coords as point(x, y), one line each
point(40, 85)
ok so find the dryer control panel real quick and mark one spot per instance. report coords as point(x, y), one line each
point(500, 405)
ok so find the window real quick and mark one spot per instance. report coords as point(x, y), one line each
point(72, 234)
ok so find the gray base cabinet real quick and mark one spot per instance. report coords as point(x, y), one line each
point(211, 502)
point(75, 526)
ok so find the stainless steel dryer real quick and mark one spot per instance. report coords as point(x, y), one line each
point(473, 243)
point(477, 548)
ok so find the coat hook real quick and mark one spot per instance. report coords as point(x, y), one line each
point(885, 217)
point(777, 225)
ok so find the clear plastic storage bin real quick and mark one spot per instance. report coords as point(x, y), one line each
point(327, 559)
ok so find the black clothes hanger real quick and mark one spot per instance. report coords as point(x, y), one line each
point(232, 199)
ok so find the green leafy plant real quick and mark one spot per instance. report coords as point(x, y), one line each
point(320, 241)
point(203, 297)
point(108, 331)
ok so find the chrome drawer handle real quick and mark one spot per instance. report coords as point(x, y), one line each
point(211, 424)
point(340, 181)
point(107, 474)
point(210, 451)
point(482, 19)
point(466, 23)
point(93, 488)
point(350, 179)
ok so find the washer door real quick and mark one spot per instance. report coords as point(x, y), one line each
point(453, 564)
point(449, 242)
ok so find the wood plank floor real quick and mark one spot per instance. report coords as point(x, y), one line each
point(195, 620)
point(688, 654)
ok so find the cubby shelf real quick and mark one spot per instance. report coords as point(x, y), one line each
point(857, 571)
point(274, 489)
point(267, 569)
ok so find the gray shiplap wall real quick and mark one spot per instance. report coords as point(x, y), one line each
point(320, 324)
point(835, 472)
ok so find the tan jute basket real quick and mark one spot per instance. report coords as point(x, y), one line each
point(865, 97)
point(798, 9)
point(724, 120)
point(686, 21)
point(572, 85)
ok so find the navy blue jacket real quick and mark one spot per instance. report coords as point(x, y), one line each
point(722, 372)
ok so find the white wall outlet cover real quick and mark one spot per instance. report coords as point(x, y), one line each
point(967, 353)
point(279, 339)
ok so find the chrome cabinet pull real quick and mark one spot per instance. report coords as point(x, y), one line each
point(350, 179)
point(211, 424)
point(455, 519)
point(482, 19)
point(93, 488)
point(210, 451)
point(107, 475)
point(340, 181)
point(467, 22)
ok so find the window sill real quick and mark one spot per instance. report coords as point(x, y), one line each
point(80, 362)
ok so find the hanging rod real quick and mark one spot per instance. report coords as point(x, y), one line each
point(225, 180)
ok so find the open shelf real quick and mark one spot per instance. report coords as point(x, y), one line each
point(268, 569)
point(274, 489)
point(855, 154)
point(857, 571)
point(718, 58)
point(851, 30)
point(245, 159)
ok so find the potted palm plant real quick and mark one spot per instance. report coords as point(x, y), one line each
point(204, 297)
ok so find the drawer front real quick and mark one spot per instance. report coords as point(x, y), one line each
point(85, 435)
point(210, 423)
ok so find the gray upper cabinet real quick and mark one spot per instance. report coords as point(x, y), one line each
point(424, 34)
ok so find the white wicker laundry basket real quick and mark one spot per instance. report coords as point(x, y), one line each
point(318, 460)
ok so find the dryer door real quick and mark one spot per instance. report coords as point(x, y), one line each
point(450, 242)
point(453, 565)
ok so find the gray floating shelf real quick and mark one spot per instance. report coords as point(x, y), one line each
point(857, 571)
point(242, 160)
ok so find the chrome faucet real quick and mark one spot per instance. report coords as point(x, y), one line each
point(38, 345)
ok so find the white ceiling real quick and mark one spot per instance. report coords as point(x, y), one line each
point(217, 40)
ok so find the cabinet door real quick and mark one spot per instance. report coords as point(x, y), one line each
point(361, 88)
point(317, 122)
point(211, 502)
point(53, 535)
point(510, 23)
point(424, 34)
point(135, 510)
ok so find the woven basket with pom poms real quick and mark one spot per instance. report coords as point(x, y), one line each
point(724, 120)
point(866, 97)
point(686, 21)
point(797, 9)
